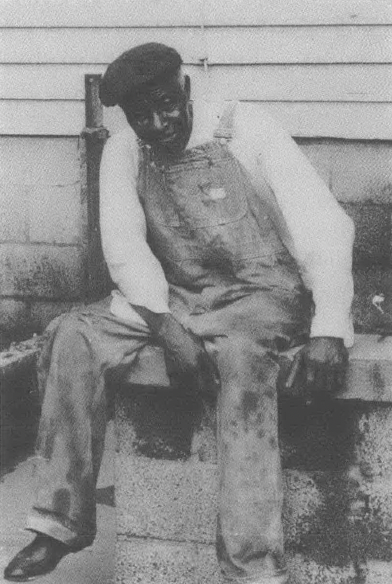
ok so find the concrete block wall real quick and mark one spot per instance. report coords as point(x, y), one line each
point(41, 232)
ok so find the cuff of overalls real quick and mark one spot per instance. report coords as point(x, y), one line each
point(49, 526)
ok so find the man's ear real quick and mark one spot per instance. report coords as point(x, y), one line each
point(187, 86)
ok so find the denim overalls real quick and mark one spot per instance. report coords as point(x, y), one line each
point(233, 283)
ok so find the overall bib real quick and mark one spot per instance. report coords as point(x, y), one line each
point(233, 283)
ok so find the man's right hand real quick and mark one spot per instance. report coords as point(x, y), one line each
point(185, 354)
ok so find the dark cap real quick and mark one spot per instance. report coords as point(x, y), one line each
point(135, 68)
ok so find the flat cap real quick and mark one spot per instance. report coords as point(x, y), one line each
point(137, 67)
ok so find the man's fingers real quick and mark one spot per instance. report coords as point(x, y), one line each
point(308, 390)
point(208, 377)
point(314, 380)
point(325, 363)
point(326, 383)
point(340, 377)
point(297, 362)
point(213, 374)
point(310, 373)
point(327, 379)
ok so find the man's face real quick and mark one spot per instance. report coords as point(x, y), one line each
point(161, 116)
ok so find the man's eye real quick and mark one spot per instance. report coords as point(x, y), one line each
point(169, 104)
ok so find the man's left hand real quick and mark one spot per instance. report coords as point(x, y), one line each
point(323, 360)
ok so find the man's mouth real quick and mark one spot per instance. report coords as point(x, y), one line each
point(167, 138)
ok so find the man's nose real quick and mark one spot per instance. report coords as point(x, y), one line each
point(158, 121)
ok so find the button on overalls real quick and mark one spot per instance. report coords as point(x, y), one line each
point(233, 283)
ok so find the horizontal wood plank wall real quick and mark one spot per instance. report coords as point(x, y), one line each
point(93, 13)
point(323, 67)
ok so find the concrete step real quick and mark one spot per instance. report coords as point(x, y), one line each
point(337, 476)
point(338, 498)
point(177, 501)
point(163, 562)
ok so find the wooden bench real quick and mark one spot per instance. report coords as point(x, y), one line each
point(369, 375)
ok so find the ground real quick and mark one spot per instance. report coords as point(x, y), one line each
point(95, 565)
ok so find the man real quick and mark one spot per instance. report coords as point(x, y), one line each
point(200, 207)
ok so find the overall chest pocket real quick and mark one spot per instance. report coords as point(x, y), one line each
point(204, 195)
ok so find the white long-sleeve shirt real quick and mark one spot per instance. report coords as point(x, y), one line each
point(311, 223)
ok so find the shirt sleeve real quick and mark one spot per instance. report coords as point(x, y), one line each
point(131, 263)
point(321, 233)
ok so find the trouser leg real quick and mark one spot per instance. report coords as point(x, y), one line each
point(250, 536)
point(81, 347)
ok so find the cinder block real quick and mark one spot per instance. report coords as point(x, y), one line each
point(372, 243)
point(173, 500)
point(152, 562)
point(54, 214)
point(338, 518)
point(362, 171)
point(302, 502)
point(371, 519)
point(12, 313)
point(13, 216)
point(39, 160)
point(373, 442)
point(377, 572)
point(41, 312)
point(14, 318)
point(41, 271)
point(305, 571)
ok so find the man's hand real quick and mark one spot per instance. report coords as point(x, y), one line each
point(185, 355)
point(323, 361)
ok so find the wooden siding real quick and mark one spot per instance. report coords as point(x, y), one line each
point(156, 13)
point(240, 45)
point(323, 67)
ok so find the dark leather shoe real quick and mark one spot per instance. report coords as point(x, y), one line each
point(40, 557)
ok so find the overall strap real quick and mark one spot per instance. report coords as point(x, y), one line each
point(144, 160)
point(224, 131)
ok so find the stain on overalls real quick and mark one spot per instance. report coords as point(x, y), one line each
point(233, 283)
